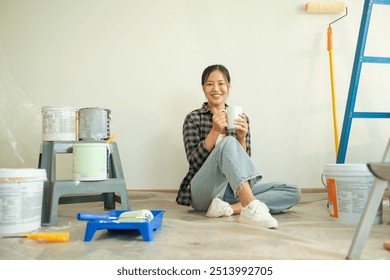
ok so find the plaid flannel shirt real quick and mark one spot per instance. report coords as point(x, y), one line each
point(196, 127)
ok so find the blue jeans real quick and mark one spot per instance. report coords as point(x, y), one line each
point(226, 168)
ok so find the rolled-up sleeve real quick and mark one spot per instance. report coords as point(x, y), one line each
point(194, 143)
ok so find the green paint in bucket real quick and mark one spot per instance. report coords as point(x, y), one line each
point(90, 161)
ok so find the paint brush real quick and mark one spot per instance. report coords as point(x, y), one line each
point(44, 236)
point(109, 140)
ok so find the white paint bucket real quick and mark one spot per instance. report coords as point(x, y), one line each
point(59, 123)
point(21, 192)
point(90, 161)
point(348, 189)
point(94, 124)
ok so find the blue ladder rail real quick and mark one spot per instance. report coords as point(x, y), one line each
point(355, 77)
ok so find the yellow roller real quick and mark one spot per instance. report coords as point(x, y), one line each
point(330, 7)
point(322, 7)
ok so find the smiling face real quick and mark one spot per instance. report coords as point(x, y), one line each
point(216, 90)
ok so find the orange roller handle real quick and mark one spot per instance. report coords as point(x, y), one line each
point(330, 50)
point(48, 236)
point(330, 44)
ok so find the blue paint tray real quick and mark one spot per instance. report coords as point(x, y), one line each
point(107, 221)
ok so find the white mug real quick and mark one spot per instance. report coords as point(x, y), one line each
point(233, 113)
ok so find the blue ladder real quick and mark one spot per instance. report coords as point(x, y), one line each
point(360, 58)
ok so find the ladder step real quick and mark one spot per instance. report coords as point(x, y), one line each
point(371, 115)
point(376, 59)
point(383, 2)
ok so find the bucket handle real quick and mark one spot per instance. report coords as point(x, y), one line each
point(322, 180)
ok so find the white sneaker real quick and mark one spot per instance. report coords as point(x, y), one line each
point(257, 213)
point(219, 208)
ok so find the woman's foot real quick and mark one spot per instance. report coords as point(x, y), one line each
point(219, 208)
point(257, 213)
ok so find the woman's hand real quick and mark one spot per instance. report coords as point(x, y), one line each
point(219, 122)
point(241, 128)
point(219, 127)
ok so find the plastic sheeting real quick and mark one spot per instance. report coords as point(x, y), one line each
point(20, 123)
point(305, 232)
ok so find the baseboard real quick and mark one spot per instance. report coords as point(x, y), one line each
point(314, 190)
point(154, 190)
point(304, 190)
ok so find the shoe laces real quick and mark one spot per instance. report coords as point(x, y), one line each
point(258, 208)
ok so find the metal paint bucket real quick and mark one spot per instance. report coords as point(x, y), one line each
point(94, 124)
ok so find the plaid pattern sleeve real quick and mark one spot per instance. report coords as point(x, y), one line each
point(196, 127)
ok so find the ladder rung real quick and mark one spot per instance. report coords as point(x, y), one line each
point(384, 2)
point(371, 115)
point(376, 59)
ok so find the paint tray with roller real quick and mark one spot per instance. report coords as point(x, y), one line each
point(145, 221)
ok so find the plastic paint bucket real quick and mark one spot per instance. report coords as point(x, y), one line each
point(21, 193)
point(94, 124)
point(348, 189)
point(59, 123)
point(90, 161)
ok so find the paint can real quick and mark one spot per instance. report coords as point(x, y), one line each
point(59, 123)
point(94, 124)
point(21, 193)
point(90, 161)
point(348, 189)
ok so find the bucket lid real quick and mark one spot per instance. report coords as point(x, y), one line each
point(103, 144)
point(347, 168)
point(50, 108)
point(22, 174)
point(95, 108)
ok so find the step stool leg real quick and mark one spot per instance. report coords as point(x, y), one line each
point(54, 207)
point(367, 219)
point(124, 200)
point(109, 201)
point(45, 162)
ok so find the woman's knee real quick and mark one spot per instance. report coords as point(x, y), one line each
point(200, 205)
point(229, 141)
point(293, 192)
point(229, 145)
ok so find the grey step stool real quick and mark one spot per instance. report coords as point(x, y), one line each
point(57, 192)
point(381, 171)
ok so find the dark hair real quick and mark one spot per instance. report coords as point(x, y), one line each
point(211, 68)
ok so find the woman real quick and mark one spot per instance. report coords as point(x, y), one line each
point(222, 178)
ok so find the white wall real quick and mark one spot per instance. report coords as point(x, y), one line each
point(143, 60)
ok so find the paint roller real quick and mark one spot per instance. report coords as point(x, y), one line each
point(144, 215)
point(44, 236)
point(321, 7)
point(333, 7)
